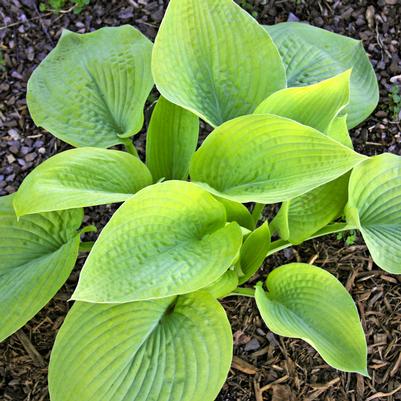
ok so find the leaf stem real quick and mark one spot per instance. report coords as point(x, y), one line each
point(257, 211)
point(129, 146)
point(86, 246)
point(243, 292)
point(281, 244)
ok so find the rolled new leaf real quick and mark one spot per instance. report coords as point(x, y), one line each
point(168, 239)
point(91, 89)
point(304, 301)
point(268, 159)
point(328, 54)
point(172, 349)
point(374, 207)
point(37, 254)
point(215, 60)
point(81, 177)
point(171, 141)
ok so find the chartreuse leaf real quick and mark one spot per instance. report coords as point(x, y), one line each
point(37, 254)
point(224, 285)
point(171, 141)
point(374, 207)
point(238, 212)
point(268, 159)
point(338, 130)
point(171, 349)
point(81, 177)
point(215, 60)
point(174, 230)
point(304, 301)
point(254, 251)
point(91, 89)
point(312, 54)
point(314, 105)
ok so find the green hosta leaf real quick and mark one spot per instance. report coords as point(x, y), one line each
point(314, 105)
point(254, 251)
point(90, 90)
point(306, 302)
point(160, 350)
point(338, 130)
point(238, 212)
point(374, 207)
point(224, 285)
point(268, 159)
point(168, 239)
point(171, 141)
point(81, 177)
point(37, 254)
point(312, 54)
point(214, 59)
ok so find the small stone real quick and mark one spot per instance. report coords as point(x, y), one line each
point(10, 159)
point(381, 114)
point(30, 157)
point(253, 345)
point(42, 151)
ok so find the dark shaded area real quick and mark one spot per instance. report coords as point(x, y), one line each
point(265, 367)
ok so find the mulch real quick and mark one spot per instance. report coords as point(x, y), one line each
point(265, 366)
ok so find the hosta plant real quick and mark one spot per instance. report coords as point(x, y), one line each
point(146, 323)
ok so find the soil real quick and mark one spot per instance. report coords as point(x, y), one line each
point(265, 367)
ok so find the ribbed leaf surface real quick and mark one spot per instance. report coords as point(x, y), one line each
point(81, 177)
point(268, 159)
point(168, 239)
point(214, 59)
point(164, 350)
point(171, 141)
point(374, 207)
point(37, 254)
point(90, 90)
point(312, 54)
point(306, 302)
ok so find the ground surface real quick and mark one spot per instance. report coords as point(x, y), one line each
point(266, 367)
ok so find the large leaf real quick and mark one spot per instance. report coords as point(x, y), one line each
point(81, 177)
point(171, 141)
point(306, 302)
point(37, 254)
point(312, 54)
point(214, 59)
point(90, 90)
point(374, 207)
point(313, 105)
point(254, 251)
point(164, 350)
point(268, 159)
point(168, 239)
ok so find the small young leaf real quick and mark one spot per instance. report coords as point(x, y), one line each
point(171, 141)
point(268, 159)
point(304, 301)
point(81, 177)
point(168, 239)
point(314, 105)
point(90, 90)
point(215, 60)
point(238, 212)
point(374, 207)
point(312, 54)
point(224, 285)
point(338, 130)
point(37, 254)
point(253, 251)
point(160, 350)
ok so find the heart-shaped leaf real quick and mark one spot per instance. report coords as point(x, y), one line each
point(160, 350)
point(268, 159)
point(37, 254)
point(214, 59)
point(81, 177)
point(168, 239)
point(314, 105)
point(374, 207)
point(306, 302)
point(312, 54)
point(171, 141)
point(91, 89)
